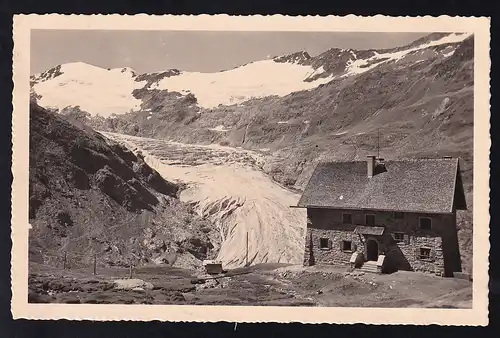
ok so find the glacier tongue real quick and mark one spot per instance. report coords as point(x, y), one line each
point(236, 196)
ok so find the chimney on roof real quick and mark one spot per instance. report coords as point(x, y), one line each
point(370, 165)
point(379, 166)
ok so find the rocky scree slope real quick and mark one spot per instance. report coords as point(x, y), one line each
point(89, 195)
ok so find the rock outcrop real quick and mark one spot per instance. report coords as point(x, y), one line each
point(91, 196)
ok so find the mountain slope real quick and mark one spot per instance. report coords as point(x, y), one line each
point(89, 195)
point(410, 101)
point(421, 101)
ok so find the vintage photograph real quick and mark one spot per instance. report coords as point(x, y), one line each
point(251, 168)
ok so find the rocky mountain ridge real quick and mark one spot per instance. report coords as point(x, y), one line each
point(91, 196)
point(423, 96)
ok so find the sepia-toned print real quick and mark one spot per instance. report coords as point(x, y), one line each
point(243, 174)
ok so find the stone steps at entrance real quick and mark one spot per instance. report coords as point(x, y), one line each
point(370, 266)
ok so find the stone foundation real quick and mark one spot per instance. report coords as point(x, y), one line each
point(398, 256)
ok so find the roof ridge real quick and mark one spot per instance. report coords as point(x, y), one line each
point(408, 184)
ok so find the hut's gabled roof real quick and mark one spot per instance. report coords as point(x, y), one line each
point(416, 185)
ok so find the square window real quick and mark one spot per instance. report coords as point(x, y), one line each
point(324, 243)
point(399, 215)
point(370, 219)
point(346, 245)
point(425, 253)
point(425, 223)
point(346, 219)
point(398, 236)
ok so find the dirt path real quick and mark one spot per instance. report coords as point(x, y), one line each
point(226, 185)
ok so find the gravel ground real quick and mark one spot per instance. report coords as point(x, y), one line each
point(263, 284)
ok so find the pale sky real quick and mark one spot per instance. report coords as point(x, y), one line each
point(199, 51)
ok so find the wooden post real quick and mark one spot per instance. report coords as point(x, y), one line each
point(64, 262)
point(95, 264)
point(378, 143)
point(130, 269)
point(246, 256)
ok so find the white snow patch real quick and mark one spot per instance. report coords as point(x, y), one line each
point(318, 71)
point(219, 128)
point(149, 117)
point(341, 133)
point(283, 122)
point(361, 65)
point(442, 107)
point(449, 54)
point(95, 90)
point(254, 80)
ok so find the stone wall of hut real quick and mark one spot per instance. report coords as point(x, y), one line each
point(405, 245)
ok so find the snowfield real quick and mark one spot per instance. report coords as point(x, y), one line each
point(254, 80)
point(94, 89)
point(106, 92)
point(359, 66)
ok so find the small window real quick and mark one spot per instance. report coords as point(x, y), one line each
point(370, 219)
point(346, 219)
point(399, 215)
point(398, 237)
point(425, 253)
point(346, 245)
point(425, 223)
point(324, 243)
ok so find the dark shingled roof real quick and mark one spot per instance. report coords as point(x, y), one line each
point(416, 185)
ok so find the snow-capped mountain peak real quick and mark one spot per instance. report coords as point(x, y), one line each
point(114, 91)
point(96, 90)
point(358, 66)
point(297, 58)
